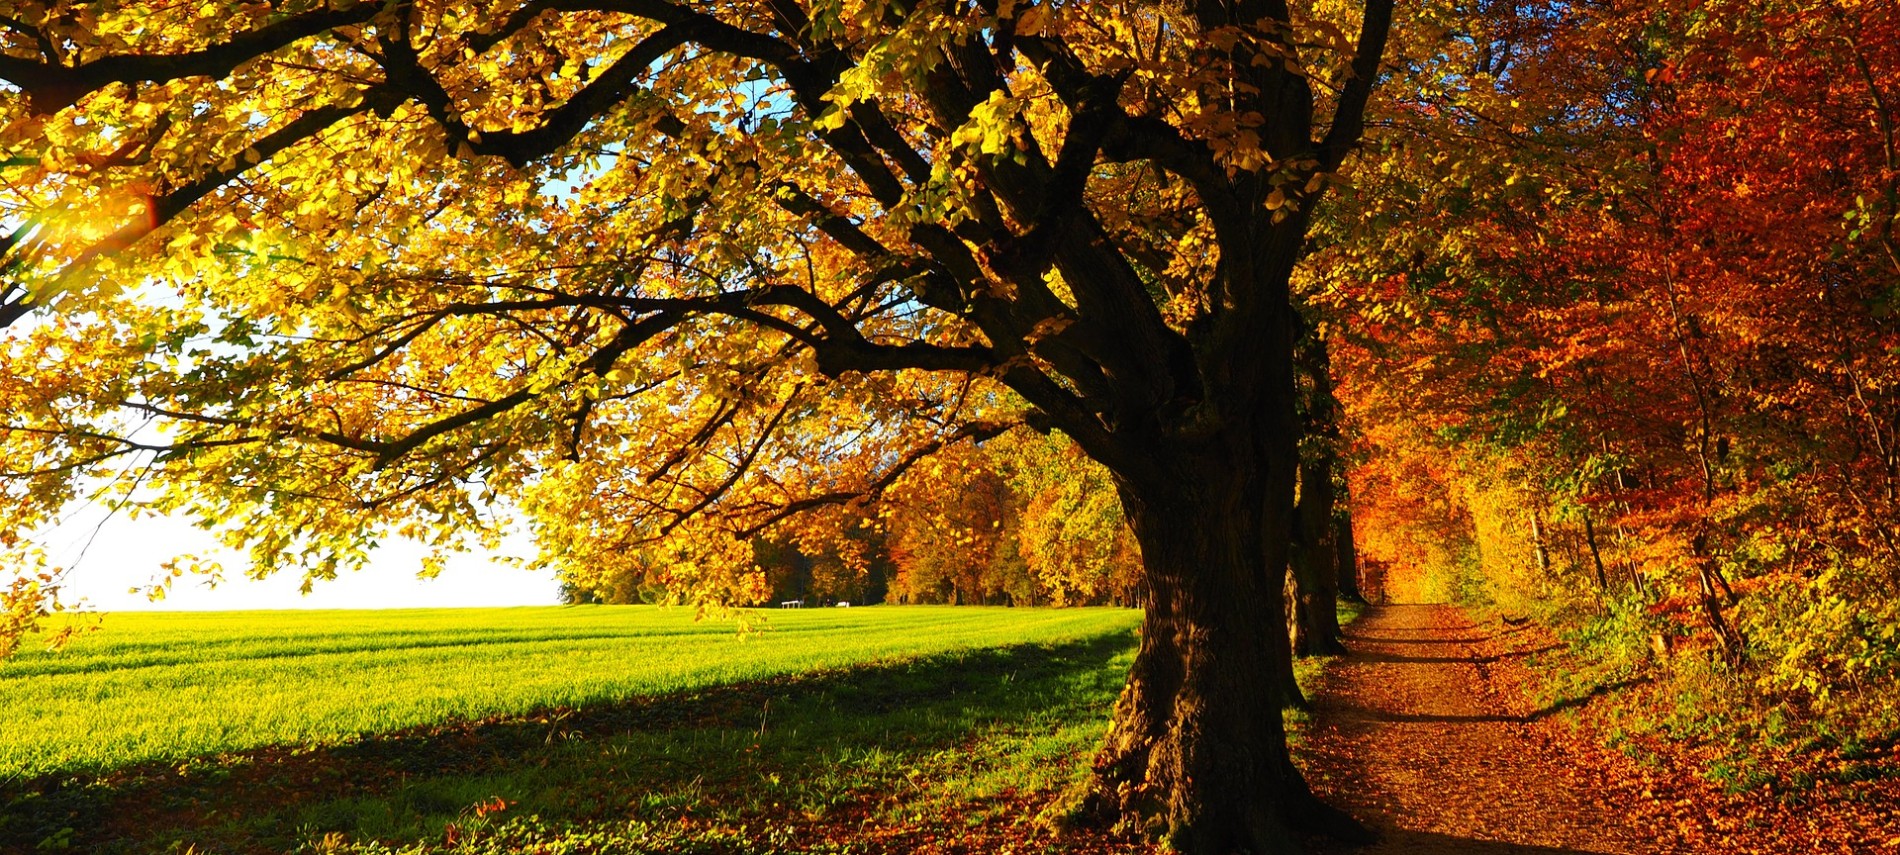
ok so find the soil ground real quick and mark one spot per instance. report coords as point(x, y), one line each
point(1421, 732)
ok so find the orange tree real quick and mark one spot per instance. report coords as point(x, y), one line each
point(665, 277)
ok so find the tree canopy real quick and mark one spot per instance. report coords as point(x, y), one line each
point(664, 277)
point(1598, 325)
point(428, 255)
point(1635, 370)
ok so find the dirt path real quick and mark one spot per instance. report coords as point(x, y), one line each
point(1420, 733)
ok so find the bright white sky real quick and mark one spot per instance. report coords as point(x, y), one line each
point(127, 553)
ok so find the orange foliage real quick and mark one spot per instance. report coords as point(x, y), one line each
point(1640, 341)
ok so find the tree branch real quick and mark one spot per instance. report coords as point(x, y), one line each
point(1349, 116)
point(51, 87)
point(973, 431)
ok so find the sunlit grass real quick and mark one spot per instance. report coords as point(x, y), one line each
point(937, 745)
point(170, 686)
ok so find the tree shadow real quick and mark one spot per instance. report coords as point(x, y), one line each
point(819, 739)
point(390, 643)
point(1483, 639)
point(1431, 843)
point(1363, 714)
point(1595, 692)
point(1375, 656)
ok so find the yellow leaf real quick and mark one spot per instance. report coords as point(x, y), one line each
point(1031, 20)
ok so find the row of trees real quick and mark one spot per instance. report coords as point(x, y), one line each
point(1642, 361)
point(667, 279)
point(1603, 308)
point(1022, 520)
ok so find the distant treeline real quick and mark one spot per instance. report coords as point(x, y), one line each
point(1022, 520)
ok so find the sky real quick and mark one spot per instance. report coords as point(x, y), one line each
point(107, 556)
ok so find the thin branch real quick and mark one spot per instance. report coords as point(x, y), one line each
point(973, 431)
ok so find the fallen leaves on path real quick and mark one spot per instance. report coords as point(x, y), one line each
point(1428, 732)
point(1416, 733)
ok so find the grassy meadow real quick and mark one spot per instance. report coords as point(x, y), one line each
point(170, 686)
point(573, 728)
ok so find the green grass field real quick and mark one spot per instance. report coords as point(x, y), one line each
point(563, 730)
point(170, 686)
point(591, 729)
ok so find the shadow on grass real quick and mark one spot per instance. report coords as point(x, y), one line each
point(966, 729)
point(1595, 692)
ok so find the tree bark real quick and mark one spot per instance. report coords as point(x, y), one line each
point(1196, 752)
point(1316, 608)
point(1205, 456)
point(1312, 561)
point(1596, 556)
point(1346, 553)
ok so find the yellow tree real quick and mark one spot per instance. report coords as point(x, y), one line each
point(667, 276)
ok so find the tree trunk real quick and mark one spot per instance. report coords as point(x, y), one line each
point(1298, 636)
point(1538, 542)
point(1313, 553)
point(1316, 580)
point(1725, 632)
point(1205, 459)
point(1631, 564)
point(1196, 752)
point(1734, 646)
point(1346, 554)
point(1596, 556)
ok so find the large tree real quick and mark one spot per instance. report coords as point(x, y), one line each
point(668, 276)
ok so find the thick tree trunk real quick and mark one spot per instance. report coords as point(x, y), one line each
point(1205, 459)
point(1196, 752)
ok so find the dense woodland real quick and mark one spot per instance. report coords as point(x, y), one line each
point(1582, 312)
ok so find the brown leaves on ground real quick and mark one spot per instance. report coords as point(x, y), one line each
point(1839, 805)
point(1427, 732)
